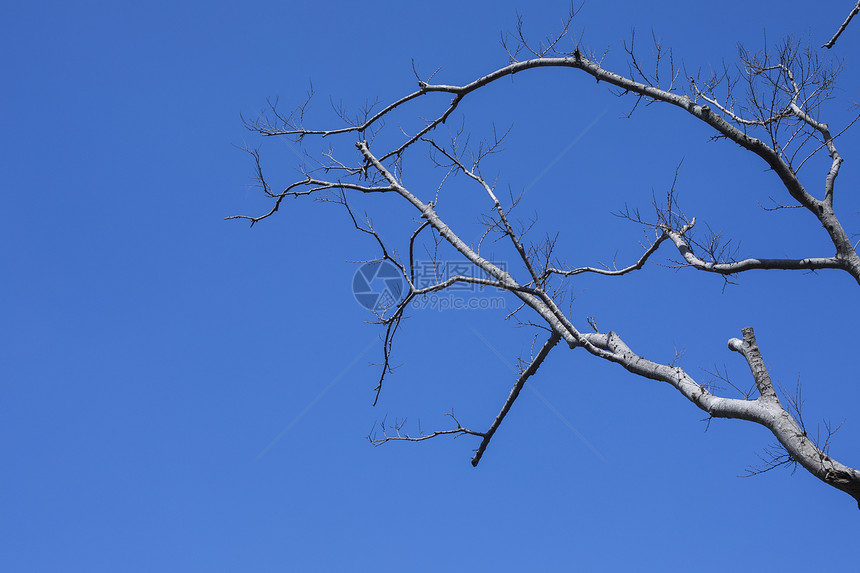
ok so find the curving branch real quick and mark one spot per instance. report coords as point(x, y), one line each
point(607, 271)
point(726, 124)
point(766, 410)
point(791, 434)
point(735, 267)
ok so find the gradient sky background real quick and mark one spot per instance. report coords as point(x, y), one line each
point(151, 351)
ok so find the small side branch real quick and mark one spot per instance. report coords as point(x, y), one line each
point(309, 186)
point(830, 43)
point(515, 391)
point(397, 435)
point(611, 272)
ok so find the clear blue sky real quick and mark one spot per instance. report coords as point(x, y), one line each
point(151, 351)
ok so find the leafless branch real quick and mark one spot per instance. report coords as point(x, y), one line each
point(832, 41)
point(652, 248)
point(778, 121)
point(396, 433)
point(515, 391)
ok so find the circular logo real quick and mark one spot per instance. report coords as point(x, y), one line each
point(377, 286)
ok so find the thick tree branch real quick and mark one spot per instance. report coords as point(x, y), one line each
point(766, 410)
point(788, 431)
point(674, 375)
point(749, 349)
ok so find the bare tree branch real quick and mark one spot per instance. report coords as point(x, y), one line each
point(778, 122)
point(515, 391)
point(612, 272)
point(832, 41)
point(787, 430)
point(765, 410)
point(735, 267)
point(822, 209)
point(399, 435)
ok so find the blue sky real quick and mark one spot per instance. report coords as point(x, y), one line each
point(152, 351)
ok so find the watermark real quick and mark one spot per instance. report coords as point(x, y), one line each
point(442, 302)
point(379, 286)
